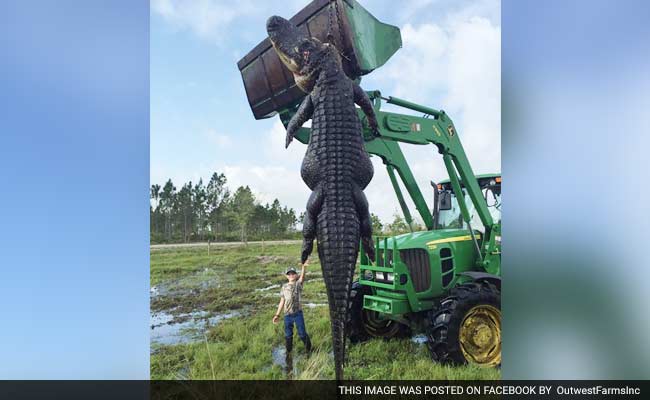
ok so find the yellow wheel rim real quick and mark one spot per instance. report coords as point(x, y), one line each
point(480, 335)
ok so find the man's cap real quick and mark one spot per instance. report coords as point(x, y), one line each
point(290, 269)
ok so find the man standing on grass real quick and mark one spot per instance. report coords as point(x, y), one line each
point(290, 300)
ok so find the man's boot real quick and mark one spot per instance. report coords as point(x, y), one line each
point(289, 344)
point(307, 343)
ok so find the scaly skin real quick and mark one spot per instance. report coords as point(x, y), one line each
point(336, 166)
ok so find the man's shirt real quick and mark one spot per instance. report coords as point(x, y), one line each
point(291, 292)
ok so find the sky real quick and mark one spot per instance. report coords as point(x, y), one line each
point(201, 121)
point(74, 292)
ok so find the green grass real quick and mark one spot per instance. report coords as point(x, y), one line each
point(241, 347)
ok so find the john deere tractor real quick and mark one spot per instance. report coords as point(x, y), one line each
point(445, 280)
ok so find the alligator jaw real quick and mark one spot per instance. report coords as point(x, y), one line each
point(285, 38)
point(300, 53)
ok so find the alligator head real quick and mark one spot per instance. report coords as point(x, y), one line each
point(304, 56)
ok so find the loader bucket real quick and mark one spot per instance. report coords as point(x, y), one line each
point(365, 43)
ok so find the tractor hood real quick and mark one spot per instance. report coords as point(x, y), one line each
point(428, 239)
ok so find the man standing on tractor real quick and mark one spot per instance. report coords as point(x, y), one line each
point(290, 302)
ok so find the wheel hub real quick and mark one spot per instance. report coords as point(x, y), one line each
point(480, 335)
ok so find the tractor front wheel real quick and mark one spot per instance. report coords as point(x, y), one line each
point(465, 328)
point(365, 324)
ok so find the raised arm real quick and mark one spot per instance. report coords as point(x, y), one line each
point(361, 98)
point(301, 279)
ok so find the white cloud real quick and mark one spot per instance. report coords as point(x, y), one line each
point(222, 141)
point(269, 183)
point(206, 18)
point(274, 150)
point(419, 68)
point(211, 19)
point(454, 65)
point(475, 89)
point(279, 177)
point(430, 10)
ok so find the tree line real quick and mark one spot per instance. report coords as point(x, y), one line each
point(200, 212)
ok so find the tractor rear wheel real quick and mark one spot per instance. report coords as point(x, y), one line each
point(465, 328)
point(366, 324)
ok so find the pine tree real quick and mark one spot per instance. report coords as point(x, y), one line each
point(243, 206)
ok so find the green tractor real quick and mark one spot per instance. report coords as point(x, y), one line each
point(445, 280)
point(438, 281)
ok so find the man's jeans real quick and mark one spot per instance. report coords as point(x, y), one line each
point(298, 319)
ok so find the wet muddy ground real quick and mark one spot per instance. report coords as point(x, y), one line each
point(172, 321)
point(166, 329)
point(193, 293)
point(211, 319)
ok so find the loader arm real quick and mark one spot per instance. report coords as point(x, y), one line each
point(434, 127)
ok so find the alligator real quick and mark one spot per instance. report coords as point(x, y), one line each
point(336, 166)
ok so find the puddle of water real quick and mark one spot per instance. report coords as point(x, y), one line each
point(314, 305)
point(279, 355)
point(189, 328)
point(276, 286)
point(419, 339)
point(204, 279)
point(183, 373)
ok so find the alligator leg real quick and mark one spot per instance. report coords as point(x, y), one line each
point(361, 98)
point(361, 204)
point(301, 116)
point(314, 205)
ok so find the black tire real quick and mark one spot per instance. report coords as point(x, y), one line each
point(364, 324)
point(481, 299)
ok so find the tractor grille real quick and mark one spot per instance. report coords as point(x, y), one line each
point(417, 262)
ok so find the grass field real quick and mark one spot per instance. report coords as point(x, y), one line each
point(211, 318)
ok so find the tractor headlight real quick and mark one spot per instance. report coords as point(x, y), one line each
point(390, 277)
point(367, 275)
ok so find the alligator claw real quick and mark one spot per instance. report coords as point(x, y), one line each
point(374, 128)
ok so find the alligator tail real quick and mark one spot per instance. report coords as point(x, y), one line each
point(338, 245)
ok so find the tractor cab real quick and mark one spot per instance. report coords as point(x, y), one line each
point(447, 213)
